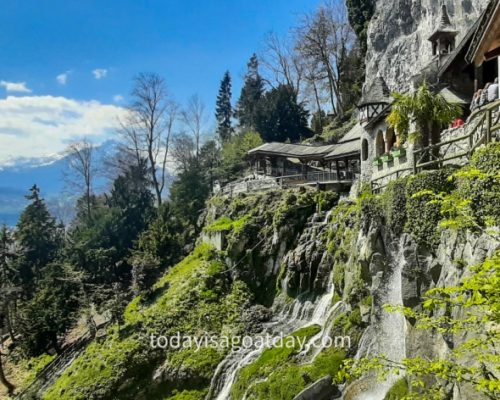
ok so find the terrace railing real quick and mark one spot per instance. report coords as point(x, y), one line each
point(309, 178)
point(483, 128)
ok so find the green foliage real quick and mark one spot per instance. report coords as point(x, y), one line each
point(251, 93)
point(227, 224)
point(35, 364)
point(158, 247)
point(326, 200)
point(360, 13)
point(423, 215)
point(223, 109)
point(280, 117)
point(188, 194)
point(39, 238)
point(51, 311)
point(191, 298)
point(234, 152)
point(398, 391)
point(426, 109)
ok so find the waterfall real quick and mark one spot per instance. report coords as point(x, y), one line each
point(288, 318)
point(386, 336)
point(299, 314)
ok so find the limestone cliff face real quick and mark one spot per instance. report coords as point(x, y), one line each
point(397, 36)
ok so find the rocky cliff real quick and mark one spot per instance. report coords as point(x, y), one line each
point(397, 36)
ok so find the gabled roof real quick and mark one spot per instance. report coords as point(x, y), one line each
point(485, 27)
point(378, 92)
point(292, 150)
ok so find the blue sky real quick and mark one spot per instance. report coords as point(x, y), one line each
point(66, 66)
point(191, 43)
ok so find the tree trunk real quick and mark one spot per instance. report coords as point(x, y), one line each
point(9, 323)
point(9, 386)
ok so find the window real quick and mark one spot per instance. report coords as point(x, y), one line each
point(364, 150)
point(379, 144)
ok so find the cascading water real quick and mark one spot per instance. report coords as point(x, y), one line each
point(289, 317)
point(386, 336)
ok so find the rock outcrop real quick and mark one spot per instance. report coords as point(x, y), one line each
point(397, 36)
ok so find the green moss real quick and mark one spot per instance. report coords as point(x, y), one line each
point(289, 379)
point(269, 360)
point(188, 395)
point(398, 390)
point(193, 297)
point(34, 366)
point(198, 362)
point(100, 366)
point(227, 224)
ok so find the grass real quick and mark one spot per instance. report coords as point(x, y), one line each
point(225, 224)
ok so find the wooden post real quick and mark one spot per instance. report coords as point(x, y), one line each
point(337, 167)
point(488, 125)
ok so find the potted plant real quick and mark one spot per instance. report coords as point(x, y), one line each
point(398, 151)
point(386, 157)
point(377, 162)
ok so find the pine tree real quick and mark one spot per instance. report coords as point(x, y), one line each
point(223, 109)
point(251, 93)
point(280, 116)
point(39, 238)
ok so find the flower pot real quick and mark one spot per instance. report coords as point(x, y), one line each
point(398, 153)
point(377, 162)
point(386, 158)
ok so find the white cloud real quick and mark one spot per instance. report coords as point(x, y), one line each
point(118, 98)
point(37, 126)
point(63, 78)
point(15, 87)
point(100, 73)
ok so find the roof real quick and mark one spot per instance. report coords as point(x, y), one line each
point(378, 92)
point(460, 51)
point(344, 149)
point(486, 27)
point(292, 150)
point(348, 145)
point(353, 134)
point(444, 26)
point(452, 96)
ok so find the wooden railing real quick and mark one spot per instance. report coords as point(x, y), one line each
point(288, 180)
point(381, 182)
point(485, 125)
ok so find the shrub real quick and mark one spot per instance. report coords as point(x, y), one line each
point(423, 215)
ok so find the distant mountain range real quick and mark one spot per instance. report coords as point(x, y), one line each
point(20, 175)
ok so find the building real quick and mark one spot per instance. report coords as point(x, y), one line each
point(371, 150)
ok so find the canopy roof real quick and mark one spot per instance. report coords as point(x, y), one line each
point(292, 150)
point(348, 146)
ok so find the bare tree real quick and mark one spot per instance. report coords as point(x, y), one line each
point(283, 61)
point(324, 39)
point(148, 127)
point(193, 117)
point(82, 171)
point(183, 151)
